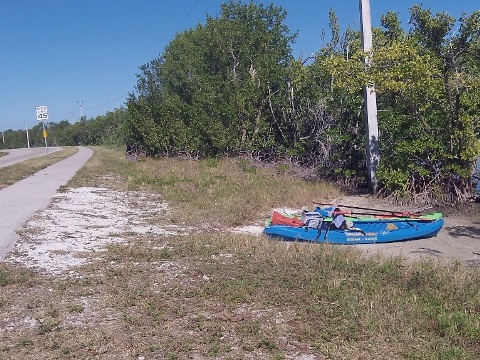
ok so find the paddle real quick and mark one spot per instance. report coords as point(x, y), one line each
point(389, 214)
point(403, 213)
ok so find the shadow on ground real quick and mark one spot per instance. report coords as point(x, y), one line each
point(472, 231)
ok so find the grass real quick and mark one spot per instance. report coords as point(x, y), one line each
point(218, 295)
point(107, 168)
point(16, 172)
point(227, 192)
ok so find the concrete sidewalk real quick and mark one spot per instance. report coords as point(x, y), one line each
point(21, 200)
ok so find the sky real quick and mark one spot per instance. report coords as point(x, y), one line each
point(82, 57)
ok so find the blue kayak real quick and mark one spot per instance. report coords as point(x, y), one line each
point(362, 230)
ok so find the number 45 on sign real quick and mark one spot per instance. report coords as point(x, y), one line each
point(42, 113)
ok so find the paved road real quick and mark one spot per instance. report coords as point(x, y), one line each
point(21, 200)
point(17, 155)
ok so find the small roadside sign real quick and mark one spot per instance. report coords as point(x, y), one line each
point(42, 112)
point(45, 133)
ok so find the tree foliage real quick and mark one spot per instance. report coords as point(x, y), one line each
point(232, 85)
point(218, 88)
point(108, 129)
point(427, 84)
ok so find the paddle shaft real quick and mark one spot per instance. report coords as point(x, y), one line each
point(371, 209)
point(390, 214)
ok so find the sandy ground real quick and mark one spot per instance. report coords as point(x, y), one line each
point(80, 222)
point(458, 240)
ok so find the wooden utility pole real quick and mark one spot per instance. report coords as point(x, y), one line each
point(370, 97)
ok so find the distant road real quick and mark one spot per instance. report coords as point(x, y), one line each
point(18, 202)
point(18, 155)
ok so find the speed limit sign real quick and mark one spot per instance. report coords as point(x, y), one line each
point(42, 112)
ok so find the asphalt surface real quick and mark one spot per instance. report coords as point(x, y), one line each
point(21, 200)
point(17, 155)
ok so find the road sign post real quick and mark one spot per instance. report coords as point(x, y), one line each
point(42, 115)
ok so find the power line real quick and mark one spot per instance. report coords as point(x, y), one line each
point(186, 17)
point(117, 90)
point(208, 8)
point(96, 107)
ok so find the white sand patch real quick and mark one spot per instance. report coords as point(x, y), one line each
point(258, 229)
point(288, 211)
point(249, 229)
point(84, 220)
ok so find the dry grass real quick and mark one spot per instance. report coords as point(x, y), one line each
point(107, 168)
point(227, 192)
point(218, 295)
point(13, 173)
